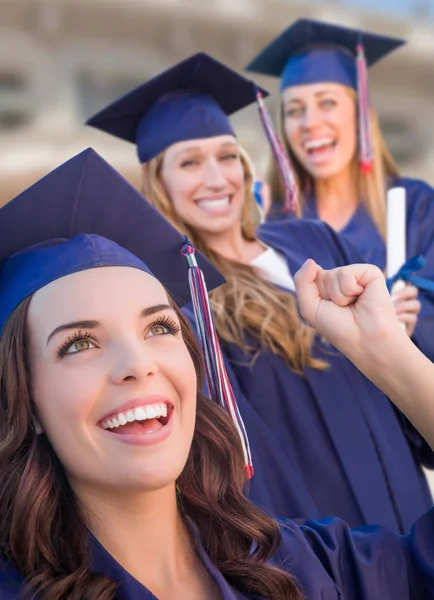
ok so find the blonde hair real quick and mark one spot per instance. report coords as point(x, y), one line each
point(371, 187)
point(247, 306)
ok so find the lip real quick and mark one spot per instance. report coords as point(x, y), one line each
point(135, 403)
point(144, 439)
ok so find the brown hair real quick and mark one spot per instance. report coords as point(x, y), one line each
point(43, 532)
point(247, 305)
point(371, 187)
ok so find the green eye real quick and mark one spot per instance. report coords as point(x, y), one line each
point(158, 330)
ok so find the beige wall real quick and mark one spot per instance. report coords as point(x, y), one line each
point(60, 60)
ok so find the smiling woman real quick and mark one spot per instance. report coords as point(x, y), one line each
point(340, 159)
point(109, 454)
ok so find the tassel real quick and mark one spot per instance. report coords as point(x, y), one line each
point(365, 134)
point(280, 156)
point(216, 376)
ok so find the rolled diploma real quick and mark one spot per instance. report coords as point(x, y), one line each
point(396, 234)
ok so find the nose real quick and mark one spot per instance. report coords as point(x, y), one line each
point(213, 175)
point(132, 362)
point(311, 117)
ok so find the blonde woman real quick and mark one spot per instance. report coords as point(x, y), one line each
point(340, 159)
point(342, 449)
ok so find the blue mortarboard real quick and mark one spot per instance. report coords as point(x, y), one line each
point(85, 215)
point(317, 52)
point(191, 100)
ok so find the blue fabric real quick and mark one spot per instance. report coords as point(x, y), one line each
point(331, 65)
point(32, 269)
point(179, 119)
point(406, 273)
point(361, 232)
point(341, 445)
point(329, 561)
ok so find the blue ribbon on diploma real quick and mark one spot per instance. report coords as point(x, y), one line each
point(405, 273)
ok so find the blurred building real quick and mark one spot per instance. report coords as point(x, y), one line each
point(61, 60)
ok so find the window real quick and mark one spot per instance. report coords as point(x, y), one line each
point(15, 110)
point(96, 91)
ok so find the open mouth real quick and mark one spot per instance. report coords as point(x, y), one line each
point(320, 149)
point(139, 421)
point(215, 205)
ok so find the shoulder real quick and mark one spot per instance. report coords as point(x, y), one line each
point(310, 238)
point(294, 228)
point(413, 186)
point(420, 195)
point(11, 582)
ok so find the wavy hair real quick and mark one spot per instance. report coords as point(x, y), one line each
point(43, 530)
point(248, 310)
point(371, 187)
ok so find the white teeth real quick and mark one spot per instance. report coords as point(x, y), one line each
point(141, 413)
point(151, 412)
point(122, 418)
point(210, 204)
point(311, 145)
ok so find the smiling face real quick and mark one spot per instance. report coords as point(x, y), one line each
point(113, 382)
point(204, 180)
point(320, 127)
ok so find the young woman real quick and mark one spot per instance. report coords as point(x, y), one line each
point(342, 448)
point(119, 480)
point(340, 159)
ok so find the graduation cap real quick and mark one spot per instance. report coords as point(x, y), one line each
point(191, 100)
point(311, 51)
point(85, 215)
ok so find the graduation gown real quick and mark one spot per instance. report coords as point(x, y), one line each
point(363, 234)
point(329, 561)
point(343, 447)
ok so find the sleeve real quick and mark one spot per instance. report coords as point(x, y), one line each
point(420, 240)
point(361, 564)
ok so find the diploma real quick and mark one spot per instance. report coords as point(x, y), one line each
point(396, 234)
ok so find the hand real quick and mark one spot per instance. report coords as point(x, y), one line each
point(407, 307)
point(349, 306)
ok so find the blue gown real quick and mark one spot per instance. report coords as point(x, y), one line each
point(363, 234)
point(328, 443)
point(329, 561)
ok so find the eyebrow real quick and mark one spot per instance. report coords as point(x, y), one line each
point(199, 149)
point(91, 324)
point(319, 93)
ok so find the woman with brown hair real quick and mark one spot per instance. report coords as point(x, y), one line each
point(342, 448)
point(340, 160)
point(119, 480)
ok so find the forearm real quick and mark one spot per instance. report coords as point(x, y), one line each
point(406, 376)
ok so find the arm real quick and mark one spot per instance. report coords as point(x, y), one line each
point(351, 307)
point(332, 561)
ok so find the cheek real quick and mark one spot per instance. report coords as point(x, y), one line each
point(63, 400)
point(292, 131)
point(180, 189)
